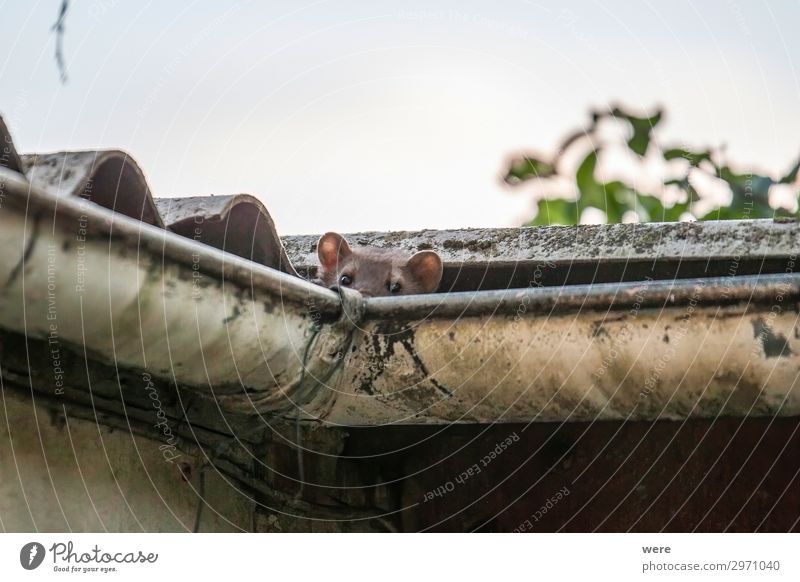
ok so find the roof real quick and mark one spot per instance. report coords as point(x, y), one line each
point(539, 324)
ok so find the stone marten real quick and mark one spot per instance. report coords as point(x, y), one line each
point(376, 272)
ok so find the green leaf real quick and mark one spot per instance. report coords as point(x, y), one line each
point(649, 208)
point(791, 176)
point(591, 193)
point(618, 200)
point(749, 191)
point(642, 128)
point(694, 158)
point(676, 211)
point(556, 211)
point(781, 212)
point(573, 137)
point(527, 168)
point(685, 185)
point(723, 213)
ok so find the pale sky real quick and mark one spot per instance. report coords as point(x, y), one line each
point(385, 115)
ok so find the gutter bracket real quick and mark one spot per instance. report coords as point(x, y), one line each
point(354, 306)
point(329, 344)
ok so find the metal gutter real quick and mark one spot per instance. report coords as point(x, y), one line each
point(599, 297)
point(645, 351)
point(130, 293)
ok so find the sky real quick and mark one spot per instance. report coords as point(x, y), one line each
point(352, 116)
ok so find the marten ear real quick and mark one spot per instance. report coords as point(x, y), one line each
point(426, 268)
point(331, 249)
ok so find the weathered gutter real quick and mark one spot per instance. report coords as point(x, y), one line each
point(638, 351)
point(256, 340)
point(600, 297)
point(126, 292)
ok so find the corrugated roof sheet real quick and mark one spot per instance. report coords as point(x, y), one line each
point(239, 224)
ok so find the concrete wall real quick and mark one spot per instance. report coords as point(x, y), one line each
point(61, 474)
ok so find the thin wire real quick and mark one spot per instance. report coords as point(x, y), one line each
point(297, 431)
point(202, 501)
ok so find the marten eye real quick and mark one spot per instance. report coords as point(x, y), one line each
point(346, 280)
point(394, 287)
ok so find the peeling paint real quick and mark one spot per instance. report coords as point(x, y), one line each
point(553, 369)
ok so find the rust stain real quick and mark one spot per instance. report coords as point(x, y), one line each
point(390, 335)
point(775, 345)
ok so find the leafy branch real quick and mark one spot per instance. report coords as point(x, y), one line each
point(620, 199)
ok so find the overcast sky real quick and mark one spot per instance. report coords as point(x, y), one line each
point(386, 115)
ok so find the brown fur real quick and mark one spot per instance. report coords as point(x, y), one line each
point(376, 272)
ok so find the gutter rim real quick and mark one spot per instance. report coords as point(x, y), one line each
point(162, 243)
point(596, 297)
point(293, 289)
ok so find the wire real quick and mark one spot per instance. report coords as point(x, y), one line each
point(297, 431)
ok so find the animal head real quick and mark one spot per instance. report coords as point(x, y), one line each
point(376, 272)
